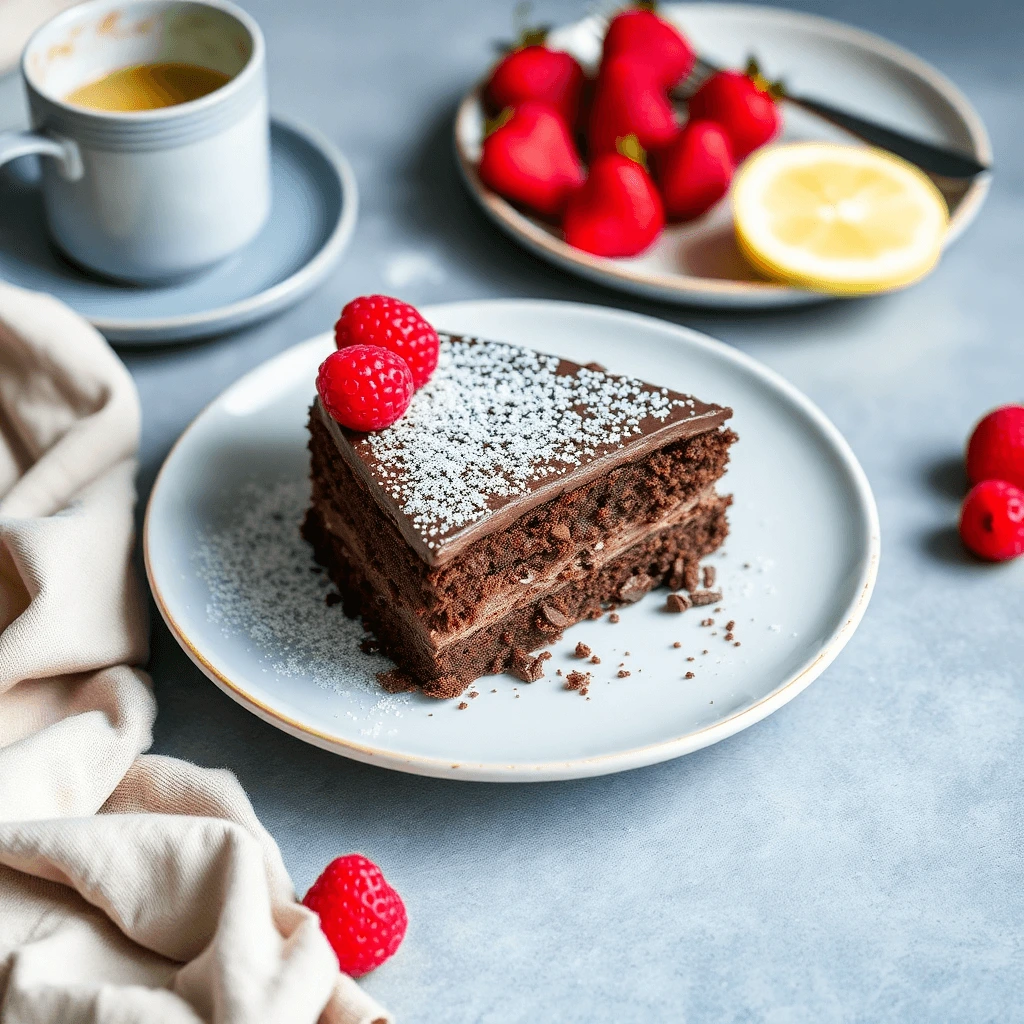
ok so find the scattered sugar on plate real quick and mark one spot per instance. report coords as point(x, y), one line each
point(257, 568)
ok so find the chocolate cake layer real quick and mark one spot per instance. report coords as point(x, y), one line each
point(500, 430)
point(607, 542)
point(505, 644)
point(563, 539)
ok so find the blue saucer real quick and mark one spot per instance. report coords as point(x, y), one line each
point(311, 221)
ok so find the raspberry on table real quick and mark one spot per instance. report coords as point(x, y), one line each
point(365, 387)
point(362, 916)
point(996, 448)
point(992, 520)
point(394, 325)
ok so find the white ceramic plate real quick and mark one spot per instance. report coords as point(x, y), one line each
point(698, 263)
point(234, 582)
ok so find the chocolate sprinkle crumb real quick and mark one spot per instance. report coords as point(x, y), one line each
point(623, 673)
point(702, 597)
point(731, 625)
point(709, 575)
point(707, 622)
point(614, 617)
point(677, 603)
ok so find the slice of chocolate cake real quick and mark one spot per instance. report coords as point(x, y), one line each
point(519, 494)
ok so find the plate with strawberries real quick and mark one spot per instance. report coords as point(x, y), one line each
point(611, 147)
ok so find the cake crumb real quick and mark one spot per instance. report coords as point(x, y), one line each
point(677, 603)
point(691, 576)
point(689, 675)
point(690, 659)
point(577, 680)
point(584, 691)
point(444, 687)
point(595, 660)
point(396, 681)
point(528, 669)
point(677, 645)
point(736, 644)
point(729, 636)
point(703, 652)
point(702, 597)
point(730, 625)
point(463, 705)
point(623, 673)
point(561, 532)
point(614, 617)
point(710, 573)
point(582, 650)
point(494, 691)
point(625, 654)
point(472, 694)
point(707, 622)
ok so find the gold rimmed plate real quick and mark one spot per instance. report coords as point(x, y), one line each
point(237, 586)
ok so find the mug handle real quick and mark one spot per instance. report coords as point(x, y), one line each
point(64, 151)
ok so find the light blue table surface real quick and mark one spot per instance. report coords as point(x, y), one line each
point(855, 857)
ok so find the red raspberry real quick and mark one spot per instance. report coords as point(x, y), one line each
point(392, 324)
point(365, 387)
point(362, 916)
point(992, 520)
point(996, 448)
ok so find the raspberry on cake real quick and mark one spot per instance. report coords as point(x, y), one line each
point(519, 494)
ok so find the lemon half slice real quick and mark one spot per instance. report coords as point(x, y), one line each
point(842, 219)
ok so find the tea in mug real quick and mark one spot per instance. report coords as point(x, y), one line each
point(147, 87)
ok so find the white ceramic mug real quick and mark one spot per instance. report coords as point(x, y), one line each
point(149, 195)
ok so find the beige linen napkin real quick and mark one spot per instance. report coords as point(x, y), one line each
point(133, 888)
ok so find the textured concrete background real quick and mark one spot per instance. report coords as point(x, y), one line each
point(857, 856)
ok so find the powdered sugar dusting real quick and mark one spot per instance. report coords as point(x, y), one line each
point(263, 587)
point(495, 420)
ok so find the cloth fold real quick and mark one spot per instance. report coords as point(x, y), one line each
point(133, 887)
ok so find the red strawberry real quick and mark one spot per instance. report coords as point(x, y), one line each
point(992, 520)
point(743, 105)
point(694, 170)
point(657, 43)
point(618, 211)
point(628, 100)
point(537, 73)
point(363, 918)
point(996, 448)
point(365, 387)
point(530, 158)
point(392, 324)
